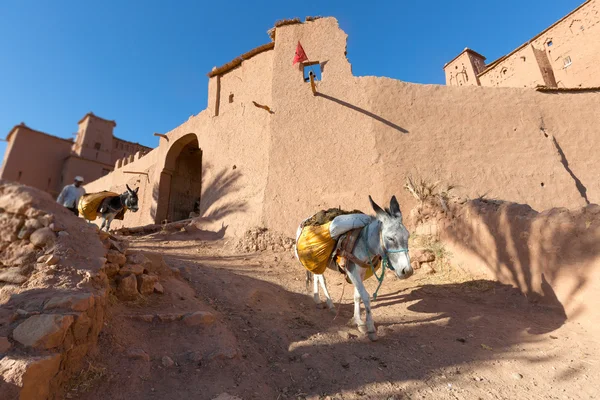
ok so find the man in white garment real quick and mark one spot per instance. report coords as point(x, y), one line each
point(70, 195)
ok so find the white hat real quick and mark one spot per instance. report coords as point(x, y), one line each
point(79, 179)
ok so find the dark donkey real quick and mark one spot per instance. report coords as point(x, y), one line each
point(112, 206)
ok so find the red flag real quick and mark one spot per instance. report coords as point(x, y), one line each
point(300, 55)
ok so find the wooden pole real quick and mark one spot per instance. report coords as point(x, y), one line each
point(162, 136)
point(312, 83)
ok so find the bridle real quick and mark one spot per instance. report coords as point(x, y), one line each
point(385, 259)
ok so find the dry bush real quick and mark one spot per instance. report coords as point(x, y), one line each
point(426, 191)
point(86, 379)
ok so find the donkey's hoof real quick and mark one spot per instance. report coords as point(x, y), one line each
point(373, 336)
point(332, 310)
point(362, 329)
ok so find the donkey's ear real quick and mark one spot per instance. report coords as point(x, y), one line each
point(379, 212)
point(128, 188)
point(136, 189)
point(395, 208)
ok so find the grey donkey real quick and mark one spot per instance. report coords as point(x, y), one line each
point(112, 206)
point(385, 236)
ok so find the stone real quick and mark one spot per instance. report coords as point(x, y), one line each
point(422, 255)
point(45, 220)
point(146, 283)
point(138, 354)
point(116, 257)
point(167, 362)
point(12, 275)
point(42, 237)
point(111, 269)
point(27, 378)
point(81, 327)
point(52, 260)
point(127, 289)
point(140, 259)
point(75, 302)
point(11, 226)
point(129, 269)
point(169, 317)
point(194, 356)
point(516, 375)
point(117, 246)
point(42, 259)
point(428, 269)
point(204, 318)
point(158, 288)
point(226, 396)
point(5, 345)
point(63, 233)
point(45, 331)
point(18, 253)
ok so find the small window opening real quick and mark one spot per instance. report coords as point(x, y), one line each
point(97, 145)
point(567, 61)
point(20, 174)
point(542, 184)
point(549, 44)
point(523, 58)
point(231, 97)
point(49, 182)
point(96, 155)
point(315, 69)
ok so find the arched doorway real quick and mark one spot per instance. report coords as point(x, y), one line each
point(180, 181)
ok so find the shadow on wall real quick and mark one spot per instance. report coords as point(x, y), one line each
point(219, 192)
point(217, 200)
point(363, 111)
point(537, 252)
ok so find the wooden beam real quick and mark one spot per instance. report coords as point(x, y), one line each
point(312, 83)
point(162, 136)
point(135, 172)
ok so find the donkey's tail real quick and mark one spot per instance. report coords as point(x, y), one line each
point(309, 278)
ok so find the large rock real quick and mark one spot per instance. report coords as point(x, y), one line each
point(30, 226)
point(73, 301)
point(45, 331)
point(111, 269)
point(129, 269)
point(146, 283)
point(18, 253)
point(140, 259)
point(127, 289)
point(116, 257)
point(42, 237)
point(11, 224)
point(204, 318)
point(12, 275)
point(27, 378)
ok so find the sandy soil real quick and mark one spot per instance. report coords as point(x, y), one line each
point(440, 337)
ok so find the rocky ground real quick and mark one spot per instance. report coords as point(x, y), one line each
point(239, 324)
point(177, 313)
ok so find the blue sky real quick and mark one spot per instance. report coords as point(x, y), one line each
point(143, 63)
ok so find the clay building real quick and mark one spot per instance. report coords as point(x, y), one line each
point(565, 55)
point(268, 151)
point(49, 162)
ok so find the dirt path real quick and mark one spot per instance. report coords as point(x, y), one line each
point(439, 338)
